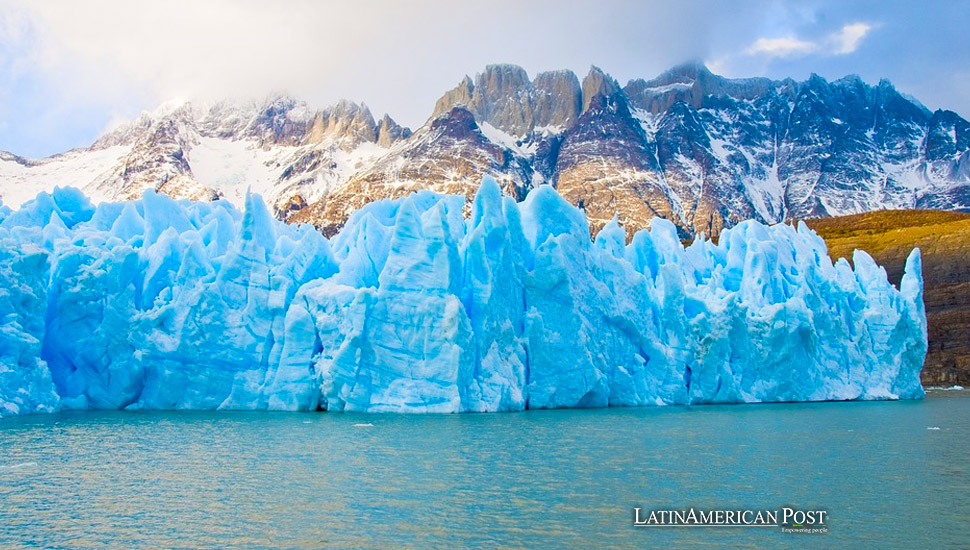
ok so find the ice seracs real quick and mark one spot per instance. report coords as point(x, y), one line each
point(164, 304)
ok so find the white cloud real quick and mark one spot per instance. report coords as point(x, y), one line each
point(79, 64)
point(848, 39)
point(179, 47)
point(109, 51)
point(395, 56)
point(844, 41)
point(113, 58)
point(781, 47)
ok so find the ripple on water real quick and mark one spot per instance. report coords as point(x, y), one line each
point(541, 479)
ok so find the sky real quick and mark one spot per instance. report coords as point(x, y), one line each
point(69, 70)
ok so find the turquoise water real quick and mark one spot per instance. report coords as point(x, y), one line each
point(541, 479)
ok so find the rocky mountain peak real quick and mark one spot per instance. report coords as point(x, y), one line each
point(10, 157)
point(346, 124)
point(850, 81)
point(459, 95)
point(505, 98)
point(816, 81)
point(558, 99)
point(390, 132)
point(502, 98)
point(158, 156)
point(896, 108)
point(502, 80)
point(685, 73)
point(692, 83)
point(597, 83)
point(280, 120)
point(125, 134)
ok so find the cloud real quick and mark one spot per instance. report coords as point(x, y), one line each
point(844, 41)
point(68, 68)
point(848, 39)
point(180, 47)
point(395, 56)
point(781, 47)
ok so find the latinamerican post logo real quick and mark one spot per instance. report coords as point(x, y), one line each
point(790, 520)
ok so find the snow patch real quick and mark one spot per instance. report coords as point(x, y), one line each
point(72, 169)
point(672, 87)
point(233, 167)
point(508, 141)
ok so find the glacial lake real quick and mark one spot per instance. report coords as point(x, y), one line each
point(889, 474)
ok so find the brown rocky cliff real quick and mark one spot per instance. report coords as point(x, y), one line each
point(944, 240)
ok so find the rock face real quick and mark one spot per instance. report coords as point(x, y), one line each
point(444, 156)
point(787, 150)
point(944, 239)
point(504, 97)
point(390, 132)
point(556, 99)
point(346, 124)
point(703, 151)
point(606, 165)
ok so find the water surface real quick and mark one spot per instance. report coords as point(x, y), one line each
point(892, 474)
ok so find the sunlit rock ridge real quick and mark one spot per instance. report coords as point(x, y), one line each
point(702, 151)
point(412, 307)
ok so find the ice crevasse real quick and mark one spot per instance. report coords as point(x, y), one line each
point(164, 304)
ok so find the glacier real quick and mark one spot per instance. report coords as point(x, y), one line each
point(424, 305)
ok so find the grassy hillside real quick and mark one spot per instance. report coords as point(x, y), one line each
point(944, 240)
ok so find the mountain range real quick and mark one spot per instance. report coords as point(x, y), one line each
point(701, 150)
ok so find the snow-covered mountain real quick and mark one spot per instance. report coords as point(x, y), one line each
point(698, 149)
point(279, 148)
